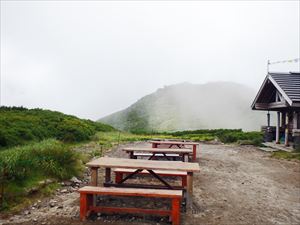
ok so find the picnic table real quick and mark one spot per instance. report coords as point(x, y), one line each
point(139, 165)
point(165, 152)
point(179, 144)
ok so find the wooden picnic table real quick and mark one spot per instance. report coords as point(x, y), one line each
point(179, 144)
point(183, 152)
point(140, 165)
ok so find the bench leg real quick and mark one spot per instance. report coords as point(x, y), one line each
point(118, 177)
point(175, 211)
point(83, 206)
point(86, 201)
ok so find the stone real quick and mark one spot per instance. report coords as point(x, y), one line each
point(67, 183)
point(52, 203)
point(27, 212)
point(75, 180)
point(64, 191)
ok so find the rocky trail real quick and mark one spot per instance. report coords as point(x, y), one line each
point(236, 185)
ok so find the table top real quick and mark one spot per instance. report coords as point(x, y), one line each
point(175, 142)
point(159, 150)
point(143, 164)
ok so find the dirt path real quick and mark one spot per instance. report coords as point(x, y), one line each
point(236, 185)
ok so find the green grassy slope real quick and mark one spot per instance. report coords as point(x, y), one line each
point(19, 125)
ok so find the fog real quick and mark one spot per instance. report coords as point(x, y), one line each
point(93, 58)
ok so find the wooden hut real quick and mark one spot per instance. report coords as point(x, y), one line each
point(280, 92)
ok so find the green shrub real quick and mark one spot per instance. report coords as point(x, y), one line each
point(19, 125)
point(49, 158)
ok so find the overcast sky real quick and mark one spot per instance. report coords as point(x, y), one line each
point(93, 58)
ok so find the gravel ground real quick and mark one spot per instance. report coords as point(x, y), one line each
point(236, 185)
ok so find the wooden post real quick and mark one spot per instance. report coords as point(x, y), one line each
point(131, 155)
point(119, 177)
point(185, 157)
point(278, 128)
point(295, 120)
point(94, 182)
point(286, 138)
point(154, 145)
point(268, 116)
point(107, 175)
point(283, 119)
point(83, 206)
point(175, 211)
point(189, 191)
point(94, 176)
point(194, 152)
point(184, 181)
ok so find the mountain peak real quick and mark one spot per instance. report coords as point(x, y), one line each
point(186, 106)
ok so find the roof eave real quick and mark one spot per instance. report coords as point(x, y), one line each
point(260, 90)
point(290, 102)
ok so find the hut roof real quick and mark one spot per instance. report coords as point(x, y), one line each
point(288, 87)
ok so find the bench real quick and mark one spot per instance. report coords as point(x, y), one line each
point(157, 155)
point(87, 193)
point(120, 172)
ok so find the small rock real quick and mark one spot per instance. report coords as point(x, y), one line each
point(52, 203)
point(67, 183)
point(26, 212)
point(35, 220)
point(75, 180)
point(64, 191)
point(60, 207)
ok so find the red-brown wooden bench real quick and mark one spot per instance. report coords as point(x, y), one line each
point(120, 172)
point(87, 193)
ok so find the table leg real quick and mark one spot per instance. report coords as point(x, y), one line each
point(94, 182)
point(94, 176)
point(189, 191)
point(185, 157)
point(154, 145)
point(107, 175)
point(131, 155)
point(194, 152)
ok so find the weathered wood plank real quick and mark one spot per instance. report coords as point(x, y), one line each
point(157, 193)
point(159, 150)
point(143, 164)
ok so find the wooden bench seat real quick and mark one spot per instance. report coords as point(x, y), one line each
point(120, 172)
point(87, 193)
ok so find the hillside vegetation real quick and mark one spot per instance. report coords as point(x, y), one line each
point(35, 147)
point(187, 106)
point(19, 125)
point(24, 167)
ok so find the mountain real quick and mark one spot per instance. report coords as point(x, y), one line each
point(188, 106)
